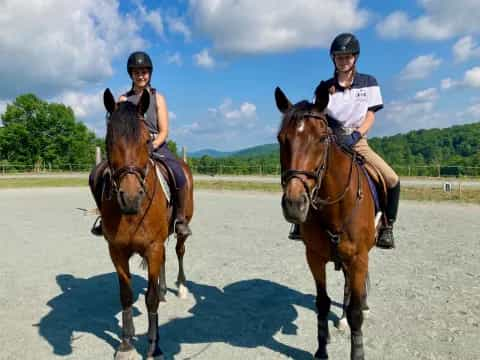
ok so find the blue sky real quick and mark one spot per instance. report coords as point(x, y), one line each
point(218, 61)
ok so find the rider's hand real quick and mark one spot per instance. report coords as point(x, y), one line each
point(150, 146)
point(352, 139)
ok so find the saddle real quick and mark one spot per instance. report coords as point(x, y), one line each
point(376, 182)
point(101, 183)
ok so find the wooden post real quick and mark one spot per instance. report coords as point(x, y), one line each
point(98, 155)
point(184, 153)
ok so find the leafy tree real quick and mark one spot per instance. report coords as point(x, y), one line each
point(36, 131)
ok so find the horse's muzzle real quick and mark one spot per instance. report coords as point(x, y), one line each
point(130, 204)
point(295, 210)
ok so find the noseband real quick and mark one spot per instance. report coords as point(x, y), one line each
point(119, 174)
point(317, 175)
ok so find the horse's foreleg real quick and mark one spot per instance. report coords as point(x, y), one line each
point(162, 283)
point(126, 349)
point(357, 274)
point(181, 279)
point(156, 260)
point(342, 323)
point(323, 302)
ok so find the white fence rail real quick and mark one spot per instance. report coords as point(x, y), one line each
point(266, 169)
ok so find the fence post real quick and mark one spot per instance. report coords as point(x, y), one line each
point(184, 153)
point(98, 155)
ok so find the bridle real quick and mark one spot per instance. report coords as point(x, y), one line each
point(118, 174)
point(318, 174)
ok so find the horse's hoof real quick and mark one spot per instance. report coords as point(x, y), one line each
point(342, 324)
point(366, 314)
point(182, 292)
point(127, 355)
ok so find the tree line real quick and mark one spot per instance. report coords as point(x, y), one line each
point(453, 151)
point(43, 134)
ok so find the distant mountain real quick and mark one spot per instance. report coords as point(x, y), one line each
point(209, 152)
point(257, 151)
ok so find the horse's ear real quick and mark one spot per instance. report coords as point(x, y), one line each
point(144, 102)
point(283, 104)
point(109, 101)
point(322, 95)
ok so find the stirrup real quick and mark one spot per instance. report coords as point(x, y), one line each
point(385, 239)
point(97, 227)
point(294, 233)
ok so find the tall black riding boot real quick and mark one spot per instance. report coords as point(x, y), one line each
point(181, 224)
point(386, 240)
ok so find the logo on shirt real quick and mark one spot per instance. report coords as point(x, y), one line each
point(361, 94)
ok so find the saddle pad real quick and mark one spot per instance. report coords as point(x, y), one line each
point(373, 189)
point(163, 183)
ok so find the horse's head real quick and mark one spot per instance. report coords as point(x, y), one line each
point(127, 150)
point(304, 138)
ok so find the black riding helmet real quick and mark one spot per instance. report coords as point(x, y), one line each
point(345, 43)
point(139, 59)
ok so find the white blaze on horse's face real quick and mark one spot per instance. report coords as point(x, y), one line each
point(301, 126)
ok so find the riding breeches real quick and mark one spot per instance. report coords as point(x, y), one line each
point(372, 158)
point(163, 153)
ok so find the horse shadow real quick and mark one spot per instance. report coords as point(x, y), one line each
point(244, 314)
point(85, 305)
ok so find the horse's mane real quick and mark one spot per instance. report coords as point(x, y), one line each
point(124, 123)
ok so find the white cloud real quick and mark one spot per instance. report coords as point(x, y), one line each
point(177, 25)
point(155, 20)
point(204, 59)
point(472, 113)
point(252, 26)
point(427, 95)
point(465, 48)
point(228, 125)
point(84, 105)
point(175, 58)
point(53, 46)
point(416, 112)
point(448, 83)
point(420, 67)
point(443, 19)
point(472, 77)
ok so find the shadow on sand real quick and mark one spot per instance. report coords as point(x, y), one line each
point(243, 314)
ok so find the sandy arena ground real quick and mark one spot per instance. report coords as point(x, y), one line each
point(251, 292)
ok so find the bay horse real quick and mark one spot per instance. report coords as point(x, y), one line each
point(136, 216)
point(327, 193)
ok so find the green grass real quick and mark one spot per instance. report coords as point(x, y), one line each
point(408, 193)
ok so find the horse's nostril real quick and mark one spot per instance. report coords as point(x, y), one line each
point(141, 192)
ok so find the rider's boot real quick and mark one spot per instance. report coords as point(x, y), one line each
point(181, 224)
point(385, 239)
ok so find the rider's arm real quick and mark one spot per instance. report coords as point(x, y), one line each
point(367, 123)
point(122, 98)
point(162, 119)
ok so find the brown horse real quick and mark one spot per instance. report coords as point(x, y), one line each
point(327, 193)
point(136, 216)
